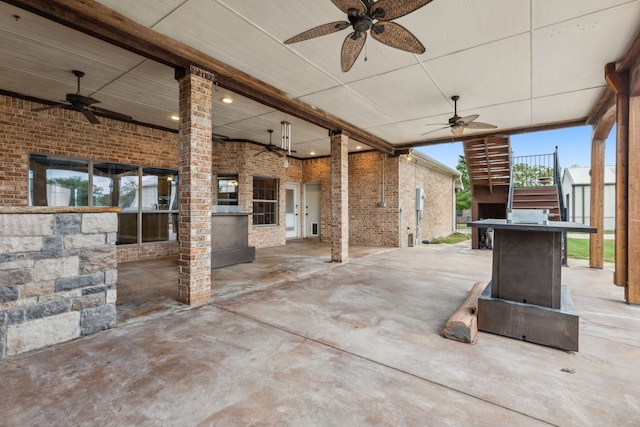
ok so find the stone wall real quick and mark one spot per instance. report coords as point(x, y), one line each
point(58, 274)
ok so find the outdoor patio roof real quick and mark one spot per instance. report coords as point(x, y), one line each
point(519, 64)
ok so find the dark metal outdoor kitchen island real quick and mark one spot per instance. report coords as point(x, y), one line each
point(525, 299)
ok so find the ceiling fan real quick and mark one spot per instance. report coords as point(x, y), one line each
point(84, 104)
point(272, 148)
point(369, 15)
point(458, 124)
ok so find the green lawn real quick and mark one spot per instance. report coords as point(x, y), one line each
point(453, 238)
point(579, 248)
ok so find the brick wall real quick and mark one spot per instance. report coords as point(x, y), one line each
point(438, 204)
point(242, 158)
point(147, 251)
point(319, 171)
point(369, 223)
point(67, 133)
point(372, 225)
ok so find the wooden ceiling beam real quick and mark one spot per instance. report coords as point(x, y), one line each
point(499, 133)
point(629, 64)
point(602, 127)
point(605, 102)
point(94, 19)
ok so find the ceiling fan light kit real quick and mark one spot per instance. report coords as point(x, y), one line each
point(373, 17)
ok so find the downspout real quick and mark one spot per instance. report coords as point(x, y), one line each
point(382, 203)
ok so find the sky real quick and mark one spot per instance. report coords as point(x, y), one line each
point(574, 147)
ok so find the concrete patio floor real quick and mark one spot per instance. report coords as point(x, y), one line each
point(306, 342)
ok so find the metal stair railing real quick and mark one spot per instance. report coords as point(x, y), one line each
point(557, 179)
point(511, 186)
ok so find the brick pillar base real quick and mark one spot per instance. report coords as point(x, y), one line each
point(194, 186)
point(339, 198)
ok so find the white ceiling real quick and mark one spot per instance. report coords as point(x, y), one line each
point(517, 63)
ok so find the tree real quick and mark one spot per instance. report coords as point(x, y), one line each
point(463, 198)
point(525, 175)
point(128, 190)
point(79, 187)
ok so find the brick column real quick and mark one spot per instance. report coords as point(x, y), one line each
point(194, 185)
point(339, 198)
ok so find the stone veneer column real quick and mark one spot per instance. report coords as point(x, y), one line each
point(58, 275)
point(339, 198)
point(194, 185)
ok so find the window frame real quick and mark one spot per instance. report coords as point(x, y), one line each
point(259, 215)
point(228, 177)
point(170, 210)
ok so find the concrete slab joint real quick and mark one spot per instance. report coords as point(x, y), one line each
point(51, 291)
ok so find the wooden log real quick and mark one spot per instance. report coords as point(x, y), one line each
point(463, 324)
point(596, 244)
point(632, 292)
point(622, 188)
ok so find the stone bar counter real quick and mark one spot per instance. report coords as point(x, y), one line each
point(58, 275)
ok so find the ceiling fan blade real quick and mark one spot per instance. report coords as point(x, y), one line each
point(480, 125)
point(345, 5)
point(351, 49)
point(49, 107)
point(259, 152)
point(395, 9)
point(90, 116)
point(321, 30)
point(112, 114)
point(435, 130)
point(75, 99)
point(277, 153)
point(467, 119)
point(397, 36)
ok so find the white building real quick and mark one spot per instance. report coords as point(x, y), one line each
point(576, 186)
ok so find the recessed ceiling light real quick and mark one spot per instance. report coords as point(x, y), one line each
point(359, 147)
point(175, 117)
point(227, 100)
point(313, 153)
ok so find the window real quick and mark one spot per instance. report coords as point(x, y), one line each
point(265, 201)
point(118, 185)
point(159, 204)
point(55, 181)
point(227, 190)
point(147, 196)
